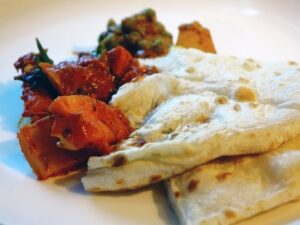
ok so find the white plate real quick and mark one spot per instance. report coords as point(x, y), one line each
point(266, 30)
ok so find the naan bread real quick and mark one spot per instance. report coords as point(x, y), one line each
point(200, 107)
point(231, 189)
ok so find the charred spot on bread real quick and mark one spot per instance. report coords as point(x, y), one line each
point(177, 194)
point(192, 186)
point(139, 141)
point(155, 178)
point(119, 160)
point(223, 176)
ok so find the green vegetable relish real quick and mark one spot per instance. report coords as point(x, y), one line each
point(141, 34)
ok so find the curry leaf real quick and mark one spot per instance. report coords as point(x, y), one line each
point(43, 53)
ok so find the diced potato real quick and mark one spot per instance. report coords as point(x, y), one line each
point(193, 35)
point(82, 122)
point(44, 157)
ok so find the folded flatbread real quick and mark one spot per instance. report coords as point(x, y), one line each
point(199, 107)
point(231, 189)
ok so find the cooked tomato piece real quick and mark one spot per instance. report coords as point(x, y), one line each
point(88, 76)
point(42, 153)
point(37, 92)
point(26, 62)
point(83, 122)
point(36, 102)
point(124, 67)
point(119, 60)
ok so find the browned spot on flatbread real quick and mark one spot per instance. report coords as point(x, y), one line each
point(139, 142)
point(292, 63)
point(155, 178)
point(243, 80)
point(202, 119)
point(192, 185)
point(191, 69)
point(177, 194)
point(250, 65)
point(277, 73)
point(119, 160)
point(252, 105)
point(167, 130)
point(237, 107)
point(198, 169)
point(174, 135)
point(221, 100)
point(223, 176)
point(245, 94)
point(120, 181)
point(230, 214)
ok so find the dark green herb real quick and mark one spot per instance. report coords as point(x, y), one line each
point(42, 56)
point(35, 78)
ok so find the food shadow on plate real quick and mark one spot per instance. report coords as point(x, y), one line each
point(157, 192)
point(72, 183)
point(165, 211)
point(12, 157)
point(142, 205)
